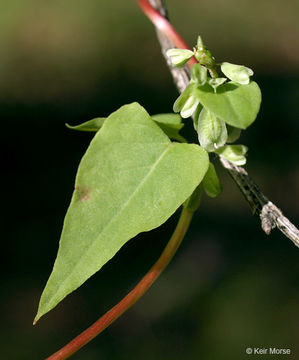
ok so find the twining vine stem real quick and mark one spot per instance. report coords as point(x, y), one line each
point(270, 215)
point(144, 284)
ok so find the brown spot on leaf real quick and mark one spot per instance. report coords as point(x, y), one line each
point(83, 193)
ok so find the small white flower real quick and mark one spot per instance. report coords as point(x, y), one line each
point(237, 73)
point(179, 57)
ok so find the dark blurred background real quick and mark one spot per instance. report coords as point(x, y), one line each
point(230, 286)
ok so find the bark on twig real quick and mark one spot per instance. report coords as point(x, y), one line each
point(269, 214)
point(180, 76)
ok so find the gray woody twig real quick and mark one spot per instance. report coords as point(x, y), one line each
point(269, 214)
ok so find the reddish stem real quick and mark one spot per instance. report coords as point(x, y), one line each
point(143, 285)
point(164, 26)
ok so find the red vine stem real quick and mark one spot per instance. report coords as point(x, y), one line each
point(163, 25)
point(144, 284)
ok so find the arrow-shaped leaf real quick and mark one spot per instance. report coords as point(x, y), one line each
point(131, 179)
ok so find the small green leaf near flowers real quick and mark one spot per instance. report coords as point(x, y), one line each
point(236, 104)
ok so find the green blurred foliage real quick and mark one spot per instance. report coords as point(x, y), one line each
point(230, 285)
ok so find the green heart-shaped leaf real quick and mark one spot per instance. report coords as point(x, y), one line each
point(236, 104)
point(131, 179)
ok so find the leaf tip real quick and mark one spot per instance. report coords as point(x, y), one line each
point(36, 319)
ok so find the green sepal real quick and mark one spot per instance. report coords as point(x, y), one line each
point(196, 116)
point(187, 102)
point(211, 130)
point(179, 57)
point(211, 182)
point(234, 153)
point(199, 74)
point(237, 73)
